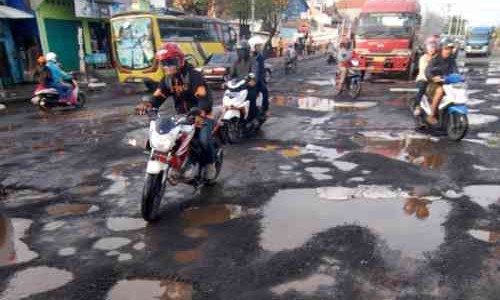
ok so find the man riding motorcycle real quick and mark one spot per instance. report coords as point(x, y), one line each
point(344, 57)
point(189, 91)
point(58, 76)
point(260, 75)
point(439, 67)
point(240, 70)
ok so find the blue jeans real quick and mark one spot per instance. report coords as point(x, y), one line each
point(64, 89)
point(207, 142)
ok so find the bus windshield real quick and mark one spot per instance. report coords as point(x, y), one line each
point(385, 25)
point(133, 38)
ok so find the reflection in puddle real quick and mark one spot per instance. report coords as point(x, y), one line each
point(213, 214)
point(12, 249)
point(125, 257)
point(319, 173)
point(139, 289)
point(139, 246)
point(293, 217)
point(187, 256)
point(481, 119)
point(111, 243)
point(125, 224)
point(308, 285)
point(61, 210)
point(485, 235)
point(67, 251)
point(484, 195)
point(330, 155)
point(25, 197)
point(195, 233)
point(53, 225)
point(33, 281)
point(321, 104)
point(419, 151)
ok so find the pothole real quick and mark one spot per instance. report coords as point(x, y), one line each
point(214, 214)
point(483, 195)
point(125, 224)
point(33, 281)
point(321, 104)
point(294, 217)
point(487, 236)
point(12, 249)
point(142, 289)
point(63, 210)
point(111, 243)
point(18, 198)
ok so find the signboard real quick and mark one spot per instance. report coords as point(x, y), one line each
point(92, 9)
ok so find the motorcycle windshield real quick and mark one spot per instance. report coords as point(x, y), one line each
point(164, 125)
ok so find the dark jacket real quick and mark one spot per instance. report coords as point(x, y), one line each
point(260, 68)
point(183, 88)
point(439, 66)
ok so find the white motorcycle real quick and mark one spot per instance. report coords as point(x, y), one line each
point(176, 157)
point(236, 107)
point(452, 115)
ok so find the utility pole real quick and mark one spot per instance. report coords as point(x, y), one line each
point(450, 19)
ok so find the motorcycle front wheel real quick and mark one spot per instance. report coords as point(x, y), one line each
point(219, 160)
point(355, 89)
point(457, 126)
point(151, 197)
point(234, 133)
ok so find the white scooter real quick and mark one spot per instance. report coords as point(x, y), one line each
point(452, 115)
point(236, 108)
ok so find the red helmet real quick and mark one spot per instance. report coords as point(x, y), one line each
point(170, 52)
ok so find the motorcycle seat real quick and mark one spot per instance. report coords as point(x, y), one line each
point(51, 91)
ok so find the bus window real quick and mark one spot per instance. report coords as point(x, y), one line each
point(183, 29)
point(212, 30)
point(133, 38)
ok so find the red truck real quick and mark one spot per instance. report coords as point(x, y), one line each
point(387, 36)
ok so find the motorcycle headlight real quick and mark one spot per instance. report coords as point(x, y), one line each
point(355, 63)
point(163, 142)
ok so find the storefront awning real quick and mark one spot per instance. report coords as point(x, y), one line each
point(7, 12)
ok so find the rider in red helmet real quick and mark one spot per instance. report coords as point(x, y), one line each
point(189, 90)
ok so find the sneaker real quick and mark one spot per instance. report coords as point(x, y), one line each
point(210, 172)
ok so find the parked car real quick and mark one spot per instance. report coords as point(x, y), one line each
point(219, 66)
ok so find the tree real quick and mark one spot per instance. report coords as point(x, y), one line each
point(271, 12)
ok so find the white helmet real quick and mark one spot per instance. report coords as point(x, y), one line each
point(51, 56)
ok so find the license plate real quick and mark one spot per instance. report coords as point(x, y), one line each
point(207, 71)
point(379, 59)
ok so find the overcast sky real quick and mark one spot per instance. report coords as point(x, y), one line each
point(478, 12)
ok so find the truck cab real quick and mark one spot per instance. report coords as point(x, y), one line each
point(479, 41)
point(386, 36)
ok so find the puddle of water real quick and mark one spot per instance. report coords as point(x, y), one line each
point(25, 197)
point(139, 246)
point(475, 102)
point(481, 119)
point(187, 256)
point(319, 173)
point(356, 179)
point(69, 251)
point(125, 257)
point(492, 139)
point(111, 243)
point(320, 82)
point(3, 106)
point(485, 235)
point(485, 169)
point(484, 195)
point(213, 214)
point(113, 253)
point(330, 155)
point(286, 167)
point(308, 285)
point(12, 249)
point(118, 186)
point(140, 289)
point(195, 233)
point(293, 217)
point(33, 281)
point(321, 104)
point(53, 225)
point(419, 151)
point(493, 81)
point(62, 210)
point(125, 224)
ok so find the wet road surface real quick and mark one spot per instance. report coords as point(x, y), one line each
point(332, 200)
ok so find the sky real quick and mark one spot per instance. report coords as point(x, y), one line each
point(478, 12)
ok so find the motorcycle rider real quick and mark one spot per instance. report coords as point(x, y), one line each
point(344, 57)
point(291, 54)
point(260, 76)
point(241, 69)
point(431, 50)
point(58, 78)
point(189, 91)
point(439, 67)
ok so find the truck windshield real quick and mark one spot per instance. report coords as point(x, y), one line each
point(479, 36)
point(385, 25)
point(133, 38)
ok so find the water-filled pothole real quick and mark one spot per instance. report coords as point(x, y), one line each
point(143, 289)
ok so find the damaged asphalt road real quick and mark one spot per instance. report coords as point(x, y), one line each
point(332, 200)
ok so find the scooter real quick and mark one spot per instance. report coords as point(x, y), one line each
point(452, 111)
point(175, 157)
point(236, 108)
point(47, 98)
point(331, 59)
point(290, 64)
point(352, 82)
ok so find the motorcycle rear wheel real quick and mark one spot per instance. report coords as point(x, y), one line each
point(151, 197)
point(80, 102)
point(234, 133)
point(457, 126)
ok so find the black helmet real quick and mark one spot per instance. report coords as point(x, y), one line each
point(447, 43)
